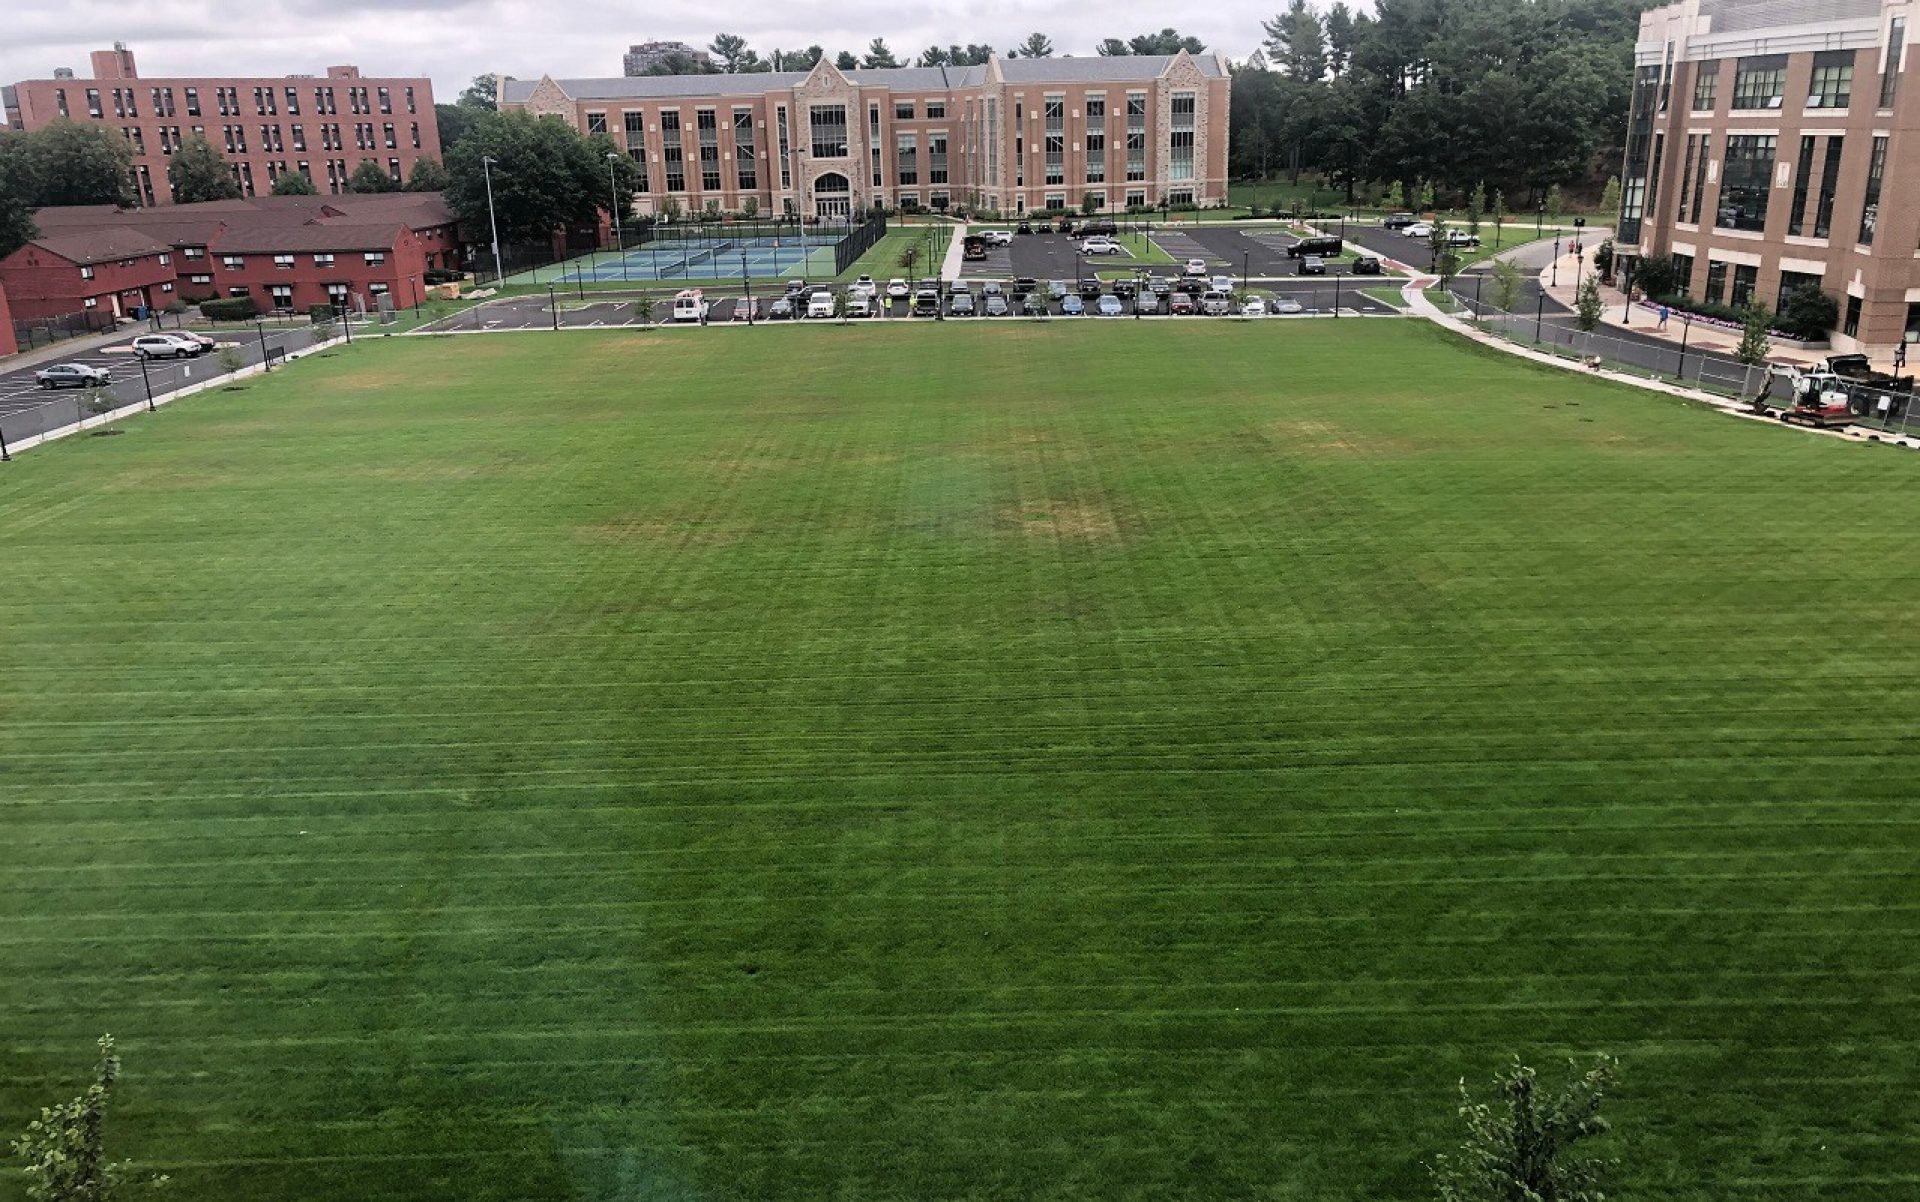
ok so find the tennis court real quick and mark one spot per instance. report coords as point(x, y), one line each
point(762, 257)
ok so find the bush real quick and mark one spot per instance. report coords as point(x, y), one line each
point(236, 308)
point(1808, 315)
point(1655, 275)
point(320, 313)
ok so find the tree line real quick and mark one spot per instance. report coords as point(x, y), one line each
point(729, 54)
point(1510, 95)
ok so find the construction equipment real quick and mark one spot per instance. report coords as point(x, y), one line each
point(1821, 399)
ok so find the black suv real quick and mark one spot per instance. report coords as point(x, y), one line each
point(1398, 221)
point(1099, 229)
point(1367, 265)
point(1325, 248)
point(1025, 227)
point(1090, 287)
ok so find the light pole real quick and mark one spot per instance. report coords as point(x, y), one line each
point(613, 187)
point(1556, 261)
point(146, 380)
point(1336, 294)
point(1626, 286)
point(493, 224)
point(1540, 219)
point(1686, 328)
point(260, 328)
point(746, 285)
point(1246, 257)
point(1539, 307)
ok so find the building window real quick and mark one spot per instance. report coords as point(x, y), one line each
point(232, 262)
point(937, 160)
point(1791, 282)
point(93, 103)
point(1136, 199)
point(1136, 135)
point(1896, 52)
point(199, 279)
point(1716, 282)
point(1802, 184)
point(1832, 83)
point(1876, 173)
point(1829, 183)
point(596, 123)
point(786, 169)
point(903, 110)
point(936, 111)
point(386, 101)
point(873, 146)
point(746, 170)
point(1056, 156)
point(906, 158)
point(283, 262)
point(1096, 155)
point(90, 303)
point(86, 273)
point(1746, 177)
point(1912, 333)
point(238, 290)
point(1180, 140)
point(293, 102)
point(323, 260)
point(375, 258)
point(1096, 109)
point(1851, 326)
point(827, 126)
point(1760, 82)
point(1686, 178)
point(707, 122)
point(1744, 277)
point(282, 295)
point(1683, 274)
point(670, 152)
point(410, 104)
point(1180, 196)
point(193, 102)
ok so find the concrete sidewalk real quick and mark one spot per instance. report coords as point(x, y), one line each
point(1645, 316)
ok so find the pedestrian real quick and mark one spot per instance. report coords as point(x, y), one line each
point(1899, 354)
point(1665, 313)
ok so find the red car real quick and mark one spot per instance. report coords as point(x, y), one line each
point(1180, 303)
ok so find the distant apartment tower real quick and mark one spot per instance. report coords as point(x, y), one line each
point(644, 56)
point(1008, 135)
point(263, 126)
point(1772, 144)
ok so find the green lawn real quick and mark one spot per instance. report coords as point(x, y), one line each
point(1052, 760)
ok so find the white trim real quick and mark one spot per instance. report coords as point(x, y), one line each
point(1739, 258)
point(1803, 266)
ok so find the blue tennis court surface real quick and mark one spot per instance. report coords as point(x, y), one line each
point(673, 259)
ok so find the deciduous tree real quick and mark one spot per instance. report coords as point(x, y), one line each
point(292, 183)
point(64, 1150)
point(428, 176)
point(198, 172)
point(1586, 303)
point(1522, 1148)
point(66, 163)
point(370, 176)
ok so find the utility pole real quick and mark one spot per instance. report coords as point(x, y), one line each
point(493, 224)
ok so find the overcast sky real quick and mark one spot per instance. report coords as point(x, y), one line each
point(453, 40)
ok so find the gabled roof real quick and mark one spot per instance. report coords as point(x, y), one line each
point(1114, 69)
point(324, 237)
point(108, 244)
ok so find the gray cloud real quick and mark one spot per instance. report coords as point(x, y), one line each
point(453, 40)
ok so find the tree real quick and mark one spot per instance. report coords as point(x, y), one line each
point(1754, 343)
point(1426, 195)
point(681, 63)
point(729, 51)
point(878, 56)
point(809, 58)
point(230, 358)
point(370, 176)
point(1586, 303)
point(197, 173)
point(292, 183)
point(483, 93)
point(749, 207)
point(934, 56)
point(845, 61)
point(1556, 203)
point(1521, 1150)
point(1296, 42)
point(548, 176)
point(64, 1149)
point(1610, 199)
point(1507, 282)
point(1446, 266)
point(428, 176)
point(1807, 314)
point(1037, 45)
point(1339, 27)
point(670, 209)
point(16, 195)
point(66, 163)
point(1111, 48)
point(1476, 205)
point(454, 122)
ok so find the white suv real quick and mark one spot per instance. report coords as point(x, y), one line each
point(999, 237)
point(166, 346)
point(820, 304)
point(1099, 245)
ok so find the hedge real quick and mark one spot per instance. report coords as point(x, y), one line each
point(236, 308)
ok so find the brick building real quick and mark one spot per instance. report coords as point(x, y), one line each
point(7, 343)
point(1008, 135)
point(1772, 144)
point(319, 127)
point(286, 252)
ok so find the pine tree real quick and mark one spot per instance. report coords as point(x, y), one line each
point(1586, 303)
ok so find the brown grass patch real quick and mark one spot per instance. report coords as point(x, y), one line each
point(654, 530)
point(1074, 521)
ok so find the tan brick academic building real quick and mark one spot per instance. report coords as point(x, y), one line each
point(1774, 143)
point(1009, 135)
point(320, 127)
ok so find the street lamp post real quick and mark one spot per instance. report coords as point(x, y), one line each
point(619, 236)
point(493, 225)
point(1556, 261)
point(260, 328)
point(746, 285)
point(1336, 294)
point(146, 380)
point(1246, 257)
point(1540, 219)
point(1539, 307)
point(1686, 328)
point(1626, 286)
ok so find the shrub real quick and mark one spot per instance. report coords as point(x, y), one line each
point(1655, 275)
point(320, 313)
point(1808, 315)
point(236, 308)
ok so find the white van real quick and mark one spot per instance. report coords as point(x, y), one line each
point(820, 304)
point(689, 305)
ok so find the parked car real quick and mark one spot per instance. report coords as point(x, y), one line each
point(1100, 228)
point(689, 305)
point(1221, 283)
point(747, 308)
point(859, 304)
point(865, 286)
point(781, 309)
point(1033, 305)
point(1180, 304)
point(1025, 227)
point(1192, 287)
point(1286, 304)
point(1419, 229)
point(1368, 265)
point(961, 305)
point(1195, 267)
point(926, 302)
point(1325, 247)
point(1024, 284)
point(1089, 288)
point(196, 336)
point(1100, 246)
point(999, 237)
point(166, 346)
point(1057, 288)
point(1125, 287)
point(995, 305)
point(1462, 238)
point(1254, 307)
point(1109, 306)
point(991, 288)
point(1072, 306)
point(1159, 285)
point(1215, 303)
point(1398, 221)
point(1063, 226)
point(820, 304)
point(1147, 302)
point(796, 287)
point(897, 289)
point(71, 375)
point(1313, 265)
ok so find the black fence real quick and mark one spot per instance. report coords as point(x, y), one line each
point(46, 331)
point(859, 240)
